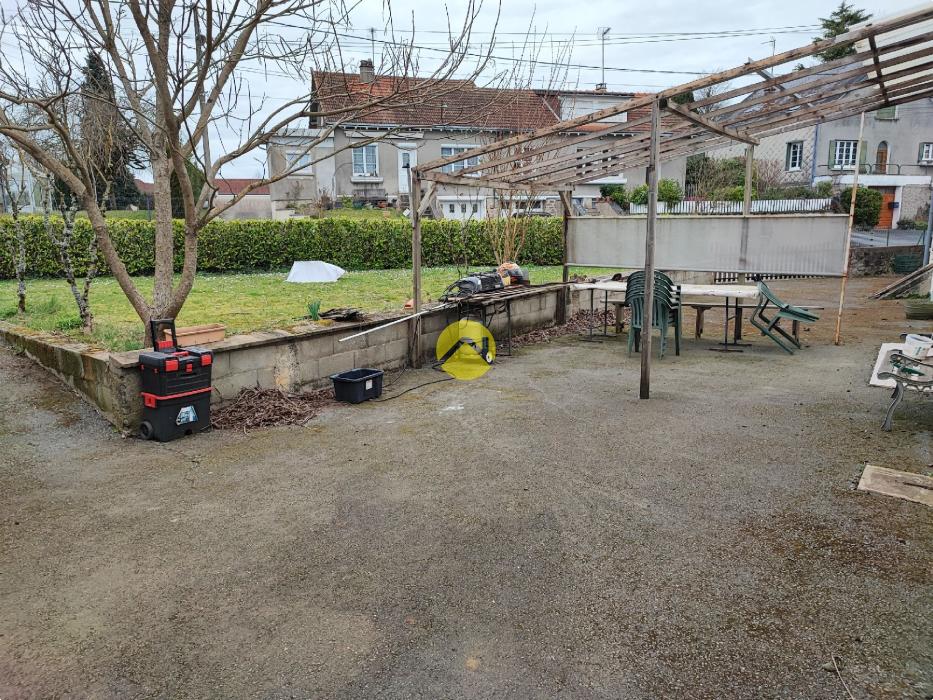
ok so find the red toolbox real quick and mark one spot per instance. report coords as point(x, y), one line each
point(176, 387)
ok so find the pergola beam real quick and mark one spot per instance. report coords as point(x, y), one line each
point(877, 62)
point(700, 120)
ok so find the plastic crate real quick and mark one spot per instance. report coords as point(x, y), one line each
point(357, 385)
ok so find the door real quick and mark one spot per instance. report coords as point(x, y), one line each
point(881, 159)
point(887, 213)
point(407, 159)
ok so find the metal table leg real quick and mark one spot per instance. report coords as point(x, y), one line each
point(590, 338)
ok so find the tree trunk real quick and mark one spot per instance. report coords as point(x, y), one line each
point(20, 265)
point(164, 237)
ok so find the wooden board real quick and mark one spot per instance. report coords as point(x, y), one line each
point(890, 482)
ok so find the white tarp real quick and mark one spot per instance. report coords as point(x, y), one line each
point(314, 271)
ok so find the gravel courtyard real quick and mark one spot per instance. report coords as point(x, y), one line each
point(539, 533)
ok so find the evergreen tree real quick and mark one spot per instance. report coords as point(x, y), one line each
point(109, 143)
point(839, 22)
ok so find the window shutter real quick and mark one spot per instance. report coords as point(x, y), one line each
point(920, 154)
point(831, 161)
point(863, 153)
point(787, 157)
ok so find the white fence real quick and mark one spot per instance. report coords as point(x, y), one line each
point(762, 206)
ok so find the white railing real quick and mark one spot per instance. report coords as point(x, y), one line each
point(759, 206)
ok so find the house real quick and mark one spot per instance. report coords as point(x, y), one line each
point(451, 117)
point(896, 157)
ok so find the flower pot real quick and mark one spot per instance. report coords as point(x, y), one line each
point(918, 309)
point(199, 335)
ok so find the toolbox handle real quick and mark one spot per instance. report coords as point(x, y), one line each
point(155, 324)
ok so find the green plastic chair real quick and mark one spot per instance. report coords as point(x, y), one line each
point(667, 310)
point(769, 324)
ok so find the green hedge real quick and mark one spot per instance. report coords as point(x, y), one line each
point(240, 246)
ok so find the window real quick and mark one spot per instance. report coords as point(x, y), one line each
point(793, 158)
point(366, 161)
point(887, 113)
point(844, 154)
point(475, 208)
point(926, 153)
point(298, 162)
point(452, 208)
point(447, 151)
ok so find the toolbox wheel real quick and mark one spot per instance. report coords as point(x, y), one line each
point(145, 430)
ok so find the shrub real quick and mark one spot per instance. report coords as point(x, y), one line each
point(867, 206)
point(824, 188)
point(247, 245)
point(670, 192)
point(907, 224)
point(616, 193)
point(640, 195)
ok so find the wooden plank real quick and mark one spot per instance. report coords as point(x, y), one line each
point(897, 22)
point(709, 125)
point(446, 179)
point(891, 482)
point(845, 260)
point(426, 201)
point(567, 207)
point(877, 62)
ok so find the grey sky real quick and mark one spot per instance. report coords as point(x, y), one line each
point(557, 20)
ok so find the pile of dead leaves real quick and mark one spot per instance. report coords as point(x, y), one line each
point(264, 408)
point(579, 323)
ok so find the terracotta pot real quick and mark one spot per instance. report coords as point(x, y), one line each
point(198, 335)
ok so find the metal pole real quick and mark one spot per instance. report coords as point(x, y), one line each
point(845, 262)
point(415, 196)
point(647, 315)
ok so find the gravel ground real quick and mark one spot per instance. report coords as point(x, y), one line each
point(539, 532)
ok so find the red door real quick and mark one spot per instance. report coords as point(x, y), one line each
point(887, 213)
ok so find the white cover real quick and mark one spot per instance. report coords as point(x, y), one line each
point(314, 271)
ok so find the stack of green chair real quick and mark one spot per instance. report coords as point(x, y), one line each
point(769, 324)
point(666, 310)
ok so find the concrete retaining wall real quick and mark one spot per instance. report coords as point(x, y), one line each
point(292, 360)
point(865, 262)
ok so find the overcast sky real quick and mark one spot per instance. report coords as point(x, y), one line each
point(684, 41)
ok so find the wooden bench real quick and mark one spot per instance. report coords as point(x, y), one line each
point(700, 307)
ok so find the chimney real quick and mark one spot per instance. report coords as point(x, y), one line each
point(367, 72)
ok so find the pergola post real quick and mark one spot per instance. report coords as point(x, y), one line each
point(648, 306)
point(414, 341)
point(845, 262)
point(749, 178)
point(566, 205)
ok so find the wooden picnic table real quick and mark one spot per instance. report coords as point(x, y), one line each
point(733, 292)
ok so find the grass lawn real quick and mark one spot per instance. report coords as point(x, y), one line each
point(244, 302)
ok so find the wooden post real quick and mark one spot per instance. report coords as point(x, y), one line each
point(414, 343)
point(742, 278)
point(566, 205)
point(845, 262)
point(647, 315)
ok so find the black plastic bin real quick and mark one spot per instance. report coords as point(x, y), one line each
point(357, 385)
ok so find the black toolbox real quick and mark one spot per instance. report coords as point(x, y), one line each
point(176, 387)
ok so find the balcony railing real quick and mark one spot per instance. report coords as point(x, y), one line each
point(922, 168)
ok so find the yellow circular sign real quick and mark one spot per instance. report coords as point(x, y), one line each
point(466, 349)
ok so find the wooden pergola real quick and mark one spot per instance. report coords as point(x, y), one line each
point(892, 64)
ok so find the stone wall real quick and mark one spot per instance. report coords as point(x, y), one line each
point(291, 360)
point(866, 261)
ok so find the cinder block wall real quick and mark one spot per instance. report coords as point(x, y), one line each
point(288, 360)
point(868, 261)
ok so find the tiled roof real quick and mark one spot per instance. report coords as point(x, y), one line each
point(423, 104)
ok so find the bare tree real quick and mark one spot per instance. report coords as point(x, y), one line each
point(180, 70)
point(67, 205)
point(14, 194)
